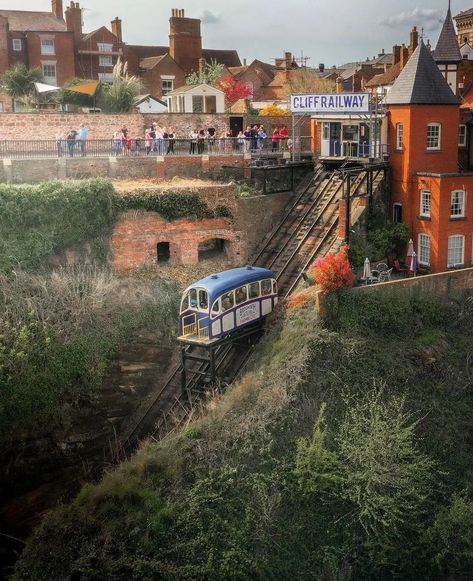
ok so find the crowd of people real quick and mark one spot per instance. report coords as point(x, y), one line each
point(162, 141)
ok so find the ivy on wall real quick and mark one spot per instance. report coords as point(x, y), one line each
point(37, 221)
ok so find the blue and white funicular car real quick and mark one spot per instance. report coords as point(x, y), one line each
point(224, 303)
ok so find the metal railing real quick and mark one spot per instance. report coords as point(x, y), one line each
point(51, 148)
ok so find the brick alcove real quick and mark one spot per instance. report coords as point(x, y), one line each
point(144, 238)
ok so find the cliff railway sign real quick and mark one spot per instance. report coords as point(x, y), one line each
point(334, 103)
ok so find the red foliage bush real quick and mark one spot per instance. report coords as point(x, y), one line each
point(234, 89)
point(333, 272)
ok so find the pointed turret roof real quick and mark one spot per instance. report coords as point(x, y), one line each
point(447, 50)
point(421, 82)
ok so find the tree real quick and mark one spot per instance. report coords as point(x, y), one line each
point(18, 82)
point(307, 81)
point(274, 111)
point(120, 96)
point(234, 89)
point(211, 73)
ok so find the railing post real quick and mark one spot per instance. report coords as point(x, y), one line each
point(348, 207)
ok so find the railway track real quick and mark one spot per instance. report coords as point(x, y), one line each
point(307, 231)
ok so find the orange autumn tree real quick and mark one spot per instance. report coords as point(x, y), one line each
point(333, 272)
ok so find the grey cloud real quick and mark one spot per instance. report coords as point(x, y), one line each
point(427, 18)
point(209, 17)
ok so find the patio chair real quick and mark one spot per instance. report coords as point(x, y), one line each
point(385, 275)
point(400, 268)
point(382, 267)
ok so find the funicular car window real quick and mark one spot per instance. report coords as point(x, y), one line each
point(203, 300)
point(266, 287)
point(193, 298)
point(227, 301)
point(240, 295)
point(216, 308)
point(253, 290)
point(185, 303)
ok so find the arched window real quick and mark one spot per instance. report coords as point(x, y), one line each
point(434, 131)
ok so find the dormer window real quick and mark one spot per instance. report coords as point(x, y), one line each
point(433, 136)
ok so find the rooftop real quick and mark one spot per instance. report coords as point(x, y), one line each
point(24, 20)
point(447, 50)
point(421, 82)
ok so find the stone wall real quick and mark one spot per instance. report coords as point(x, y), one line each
point(137, 233)
point(191, 166)
point(44, 125)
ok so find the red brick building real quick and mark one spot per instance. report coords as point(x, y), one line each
point(429, 194)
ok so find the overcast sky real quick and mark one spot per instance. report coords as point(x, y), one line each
point(327, 32)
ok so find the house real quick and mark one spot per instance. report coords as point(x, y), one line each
point(429, 194)
point(150, 104)
point(196, 99)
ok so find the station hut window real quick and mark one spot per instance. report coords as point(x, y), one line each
point(425, 203)
point(163, 252)
point(456, 251)
point(433, 136)
point(266, 287)
point(399, 136)
point(424, 249)
point(458, 204)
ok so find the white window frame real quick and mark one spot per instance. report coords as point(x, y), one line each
point(425, 203)
point(105, 60)
point(434, 141)
point(399, 136)
point(105, 47)
point(47, 49)
point(105, 77)
point(462, 135)
point(457, 204)
point(49, 78)
point(424, 246)
point(166, 90)
point(17, 45)
point(453, 247)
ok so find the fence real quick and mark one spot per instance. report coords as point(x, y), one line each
point(271, 179)
point(54, 148)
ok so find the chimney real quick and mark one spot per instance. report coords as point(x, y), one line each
point(244, 62)
point(396, 54)
point(340, 87)
point(288, 60)
point(74, 21)
point(185, 41)
point(404, 56)
point(117, 29)
point(57, 9)
point(414, 40)
point(321, 67)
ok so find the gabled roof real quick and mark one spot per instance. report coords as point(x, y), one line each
point(143, 52)
point(150, 62)
point(465, 13)
point(466, 50)
point(90, 35)
point(229, 58)
point(386, 78)
point(187, 88)
point(447, 50)
point(148, 97)
point(421, 82)
point(24, 20)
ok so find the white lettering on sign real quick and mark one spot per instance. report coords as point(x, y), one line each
point(334, 103)
point(247, 313)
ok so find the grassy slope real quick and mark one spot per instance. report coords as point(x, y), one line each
point(223, 500)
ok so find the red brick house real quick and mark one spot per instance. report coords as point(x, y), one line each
point(429, 193)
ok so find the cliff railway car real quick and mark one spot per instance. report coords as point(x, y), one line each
point(222, 304)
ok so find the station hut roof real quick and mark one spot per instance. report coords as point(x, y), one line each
point(421, 82)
